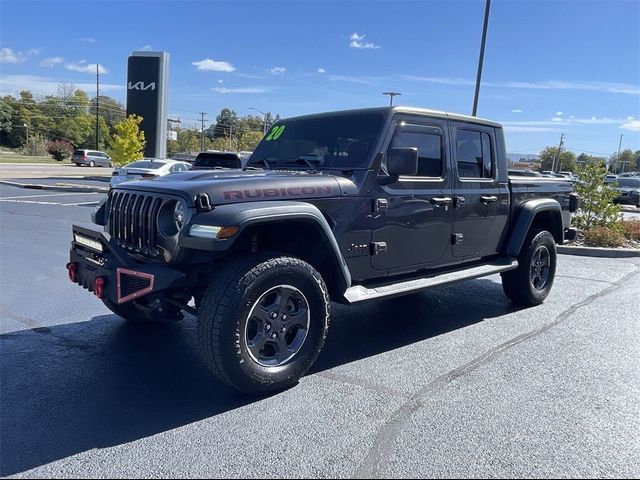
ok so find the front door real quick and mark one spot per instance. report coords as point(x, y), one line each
point(481, 197)
point(413, 216)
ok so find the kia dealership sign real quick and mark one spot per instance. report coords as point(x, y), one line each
point(147, 74)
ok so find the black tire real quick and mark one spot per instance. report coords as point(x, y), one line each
point(531, 282)
point(226, 320)
point(135, 314)
point(92, 163)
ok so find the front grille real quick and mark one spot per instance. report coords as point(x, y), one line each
point(132, 221)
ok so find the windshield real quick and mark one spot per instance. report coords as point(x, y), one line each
point(145, 164)
point(629, 182)
point(212, 160)
point(332, 141)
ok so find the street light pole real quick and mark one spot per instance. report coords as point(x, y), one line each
point(391, 95)
point(26, 129)
point(481, 59)
point(264, 128)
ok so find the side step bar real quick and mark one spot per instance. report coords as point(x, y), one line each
point(359, 293)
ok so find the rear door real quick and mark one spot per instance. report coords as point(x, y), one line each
point(481, 198)
point(413, 216)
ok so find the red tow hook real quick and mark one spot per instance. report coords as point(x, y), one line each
point(72, 268)
point(98, 287)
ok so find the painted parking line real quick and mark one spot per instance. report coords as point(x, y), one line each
point(35, 202)
point(48, 195)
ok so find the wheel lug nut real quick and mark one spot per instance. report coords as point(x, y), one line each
point(284, 316)
point(274, 335)
point(273, 315)
point(283, 329)
point(268, 327)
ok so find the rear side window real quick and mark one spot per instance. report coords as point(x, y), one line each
point(429, 145)
point(474, 154)
point(212, 160)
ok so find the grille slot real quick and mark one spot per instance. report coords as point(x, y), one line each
point(132, 221)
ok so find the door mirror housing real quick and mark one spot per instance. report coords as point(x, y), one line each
point(402, 161)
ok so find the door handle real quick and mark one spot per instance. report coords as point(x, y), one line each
point(441, 201)
point(488, 199)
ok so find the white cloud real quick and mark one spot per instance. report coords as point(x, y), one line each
point(83, 67)
point(7, 55)
point(240, 90)
point(277, 70)
point(558, 114)
point(144, 48)
point(208, 65)
point(518, 129)
point(88, 39)
point(606, 87)
point(556, 119)
point(633, 125)
point(350, 79)
point(220, 81)
point(13, 84)
point(516, 110)
point(357, 42)
point(631, 118)
point(321, 70)
point(51, 61)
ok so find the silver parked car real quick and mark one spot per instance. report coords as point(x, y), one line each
point(147, 169)
point(92, 158)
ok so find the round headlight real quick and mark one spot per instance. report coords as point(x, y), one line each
point(179, 214)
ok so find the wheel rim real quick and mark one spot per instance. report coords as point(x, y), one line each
point(540, 268)
point(277, 326)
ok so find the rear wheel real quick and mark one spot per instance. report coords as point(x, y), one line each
point(262, 322)
point(92, 163)
point(531, 282)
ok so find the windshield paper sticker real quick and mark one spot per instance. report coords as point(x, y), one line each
point(275, 133)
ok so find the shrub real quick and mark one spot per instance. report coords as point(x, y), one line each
point(59, 149)
point(603, 237)
point(596, 199)
point(632, 229)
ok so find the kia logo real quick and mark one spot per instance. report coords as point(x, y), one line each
point(142, 86)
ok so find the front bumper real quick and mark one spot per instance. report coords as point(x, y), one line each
point(111, 274)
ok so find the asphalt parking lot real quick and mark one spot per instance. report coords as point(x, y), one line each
point(454, 382)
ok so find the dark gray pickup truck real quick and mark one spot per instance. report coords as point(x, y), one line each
point(344, 206)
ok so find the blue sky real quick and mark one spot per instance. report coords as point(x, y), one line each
point(551, 67)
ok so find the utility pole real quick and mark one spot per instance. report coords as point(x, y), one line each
point(202, 120)
point(618, 154)
point(391, 95)
point(264, 126)
point(556, 161)
point(97, 102)
point(230, 135)
point(481, 59)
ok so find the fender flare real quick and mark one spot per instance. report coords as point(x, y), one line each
point(527, 212)
point(245, 215)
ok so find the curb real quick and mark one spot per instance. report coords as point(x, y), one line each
point(598, 251)
point(60, 188)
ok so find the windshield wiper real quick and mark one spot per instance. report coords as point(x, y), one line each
point(301, 159)
point(258, 161)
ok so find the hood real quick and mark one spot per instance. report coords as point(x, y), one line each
point(234, 186)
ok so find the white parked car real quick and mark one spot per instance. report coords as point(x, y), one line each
point(147, 169)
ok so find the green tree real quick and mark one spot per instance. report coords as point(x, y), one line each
point(596, 199)
point(7, 113)
point(127, 143)
point(567, 159)
point(188, 140)
point(227, 121)
point(622, 162)
point(250, 140)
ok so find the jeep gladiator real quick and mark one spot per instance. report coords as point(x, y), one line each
point(343, 207)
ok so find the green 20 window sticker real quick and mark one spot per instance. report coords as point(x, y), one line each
point(275, 133)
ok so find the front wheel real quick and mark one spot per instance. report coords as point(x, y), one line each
point(92, 163)
point(531, 282)
point(262, 322)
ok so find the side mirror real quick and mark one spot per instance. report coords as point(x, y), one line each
point(402, 161)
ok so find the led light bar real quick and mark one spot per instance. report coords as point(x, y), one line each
point(204, 231)
point(88, 242)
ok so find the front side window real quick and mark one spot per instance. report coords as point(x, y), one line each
point(474, 154)
point(429, 145)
